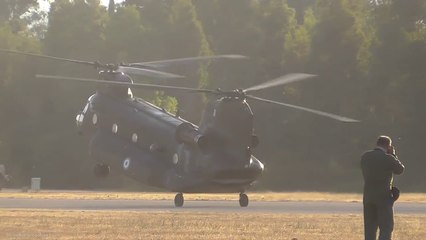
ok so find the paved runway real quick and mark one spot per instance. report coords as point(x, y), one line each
point(203, 206)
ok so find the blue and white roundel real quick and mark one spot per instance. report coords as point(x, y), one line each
point(126, 163)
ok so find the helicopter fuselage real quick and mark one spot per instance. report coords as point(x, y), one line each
point(157, 148)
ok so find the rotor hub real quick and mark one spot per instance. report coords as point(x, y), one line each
point(236, 94)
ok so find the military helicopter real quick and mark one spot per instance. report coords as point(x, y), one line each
point(157, 148)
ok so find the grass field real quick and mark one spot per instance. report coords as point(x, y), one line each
point(48, 224)
point(254, 196)
point(24, 224)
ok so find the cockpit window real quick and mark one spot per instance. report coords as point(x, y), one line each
point(91, 98)
point(130, 93)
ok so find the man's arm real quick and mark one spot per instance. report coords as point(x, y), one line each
point(396, 165)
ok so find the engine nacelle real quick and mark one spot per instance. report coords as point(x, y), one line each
point(186, 133)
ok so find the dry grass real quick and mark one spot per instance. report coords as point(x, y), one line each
point(254, 196)
point(24, 224)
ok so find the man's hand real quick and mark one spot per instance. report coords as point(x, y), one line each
point(391, 150)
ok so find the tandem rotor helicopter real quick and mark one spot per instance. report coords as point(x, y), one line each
point(157, 148)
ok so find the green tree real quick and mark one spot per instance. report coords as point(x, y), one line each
point(173, 30)
point(124, 36)
point(399, 74)
point(15, 111)
point(14, 9)
point(75, 30)
point(368, 56)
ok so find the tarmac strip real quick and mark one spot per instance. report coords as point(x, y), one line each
point(302, 207)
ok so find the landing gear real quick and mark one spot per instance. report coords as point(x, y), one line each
point(179, 200)
point(244, 201)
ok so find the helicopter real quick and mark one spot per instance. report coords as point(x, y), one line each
point(145, 142)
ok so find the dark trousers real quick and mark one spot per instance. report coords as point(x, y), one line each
point(378, 215)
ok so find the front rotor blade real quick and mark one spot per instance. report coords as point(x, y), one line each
point(183, 61)
point(124, 84)
point(325, 114)
point(94, 64)
point(148, 73)
point(286, 79)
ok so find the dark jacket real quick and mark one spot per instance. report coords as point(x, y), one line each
point(378, 168)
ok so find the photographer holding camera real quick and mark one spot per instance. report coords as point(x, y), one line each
point(378, 166)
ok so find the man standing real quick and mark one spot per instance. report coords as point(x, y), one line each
point(378, 166)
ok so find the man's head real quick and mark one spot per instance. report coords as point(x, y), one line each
point(384, 142)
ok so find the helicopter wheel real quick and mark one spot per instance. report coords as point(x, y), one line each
point(244, 200)
point(179, 200)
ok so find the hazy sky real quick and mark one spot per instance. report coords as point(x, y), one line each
point(105, 2)
point(44, 4)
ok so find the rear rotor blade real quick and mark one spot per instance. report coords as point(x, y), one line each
point(148, 72)
point(325, 114)
point(183, 61)
point(94, 64)
point(286, 79)
point(130, 85)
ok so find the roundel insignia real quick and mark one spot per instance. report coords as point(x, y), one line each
point(126, 163)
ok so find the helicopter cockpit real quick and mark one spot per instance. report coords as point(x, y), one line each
point(83, 117)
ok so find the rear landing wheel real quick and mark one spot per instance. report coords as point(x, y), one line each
point(244, 201)
point(179, 200)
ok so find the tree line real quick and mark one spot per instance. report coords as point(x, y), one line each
point(368, 55)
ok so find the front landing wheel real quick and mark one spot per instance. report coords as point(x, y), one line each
point(244, 200)
point(179, 200)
